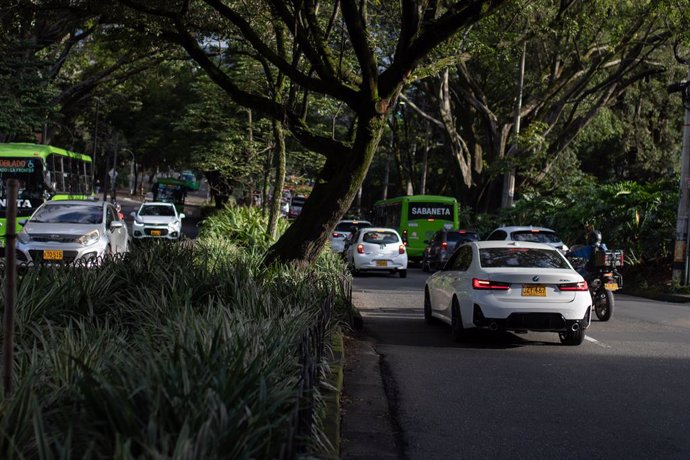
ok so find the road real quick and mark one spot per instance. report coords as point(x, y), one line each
point(624, 393)
point(189, 223)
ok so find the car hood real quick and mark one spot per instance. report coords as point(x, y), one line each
point(163, 220)
point(60, 229)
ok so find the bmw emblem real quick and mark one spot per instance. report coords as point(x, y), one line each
point(535, 278)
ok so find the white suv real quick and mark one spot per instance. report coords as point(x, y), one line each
point(528, 233)
point(342, 232)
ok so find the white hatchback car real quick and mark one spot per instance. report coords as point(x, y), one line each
point(528, 233)
point(342, 232)
point(377, 249)
point(515, 286)
point(157, 220)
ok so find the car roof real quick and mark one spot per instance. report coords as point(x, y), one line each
point(518, 228)
point(353, 221)
point(157, 203)
point(510, 244)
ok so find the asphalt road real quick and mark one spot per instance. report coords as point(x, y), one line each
point(624, 393)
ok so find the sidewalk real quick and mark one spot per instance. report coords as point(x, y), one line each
point(367, 430)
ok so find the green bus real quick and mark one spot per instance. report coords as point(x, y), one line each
point(416, 218)
point(44, 173)
point(170, 190)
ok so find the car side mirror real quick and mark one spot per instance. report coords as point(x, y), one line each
point(22, 222)
point(133, 214)
point(116, 224)
point(182, 216)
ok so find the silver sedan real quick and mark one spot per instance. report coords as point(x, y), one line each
point(71, 231)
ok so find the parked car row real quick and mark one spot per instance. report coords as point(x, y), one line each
point(79, 231)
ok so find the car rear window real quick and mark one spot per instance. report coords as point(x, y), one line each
point(347, 226)
point(380, 237)
point(521, 257)
point(535, 236)
point(454, 237)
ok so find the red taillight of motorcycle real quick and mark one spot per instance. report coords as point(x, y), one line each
point(444, 245)
point(401, 249)
point(581, 286)
point(337, 235)
point(360, 248)
point(492, 285)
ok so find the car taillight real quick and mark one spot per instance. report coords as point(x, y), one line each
point(404, 237)
point(360, 249)
point(444, 245)
point(486, 284)
point(401, 249)
point(581, 286)
point(337, 235)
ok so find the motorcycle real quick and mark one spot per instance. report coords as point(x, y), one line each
point(603, 279)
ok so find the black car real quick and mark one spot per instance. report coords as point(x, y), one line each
point(442, 245)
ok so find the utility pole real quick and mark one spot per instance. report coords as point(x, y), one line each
point(680, 252)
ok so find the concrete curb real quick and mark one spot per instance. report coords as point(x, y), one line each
point(663, 296)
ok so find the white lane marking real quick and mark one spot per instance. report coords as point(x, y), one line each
point(596, 342)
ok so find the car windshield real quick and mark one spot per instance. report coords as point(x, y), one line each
point(347, 226)
point(380, 237)
point(521, 257)
point(157, 210)
point(298, 202)
point(535, 236)
point(61, 213)
point(454, 237)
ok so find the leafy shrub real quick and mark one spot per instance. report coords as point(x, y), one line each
point(244, 226)
point(187, 351)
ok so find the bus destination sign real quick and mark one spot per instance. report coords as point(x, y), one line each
point(430, 211)
point(17, 165)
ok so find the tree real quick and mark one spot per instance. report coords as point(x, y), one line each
point(330, 51)
point(581, 57)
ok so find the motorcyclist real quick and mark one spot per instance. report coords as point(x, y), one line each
point(587, 251)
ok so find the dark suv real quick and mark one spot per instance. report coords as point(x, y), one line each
point(442, 245)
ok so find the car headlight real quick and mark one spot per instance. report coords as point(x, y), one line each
point(138, 222)
point(88, 239)
point(24, 237)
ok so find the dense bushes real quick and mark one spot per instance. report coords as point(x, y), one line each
point(639, 218)
point(184, 351)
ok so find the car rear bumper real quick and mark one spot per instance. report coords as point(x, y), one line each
point(530, 321)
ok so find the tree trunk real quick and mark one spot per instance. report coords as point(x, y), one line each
point(279, 137)
point(331, 197)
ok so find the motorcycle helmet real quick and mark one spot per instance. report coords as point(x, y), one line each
point(594, 238)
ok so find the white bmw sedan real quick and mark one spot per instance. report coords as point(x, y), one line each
point(377, 249)
point(157, 220)
point(514, 286)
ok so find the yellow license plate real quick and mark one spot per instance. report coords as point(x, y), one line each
point(381, 263)
point(155, 233)
point(52, 254)
point(534, 290)
point(611, 286)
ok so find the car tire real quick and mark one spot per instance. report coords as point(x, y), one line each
point(456, 327)
point(402, 273)
point(572, 338)
point(427, 307)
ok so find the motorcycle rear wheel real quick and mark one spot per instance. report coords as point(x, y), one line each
point(603, 305)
